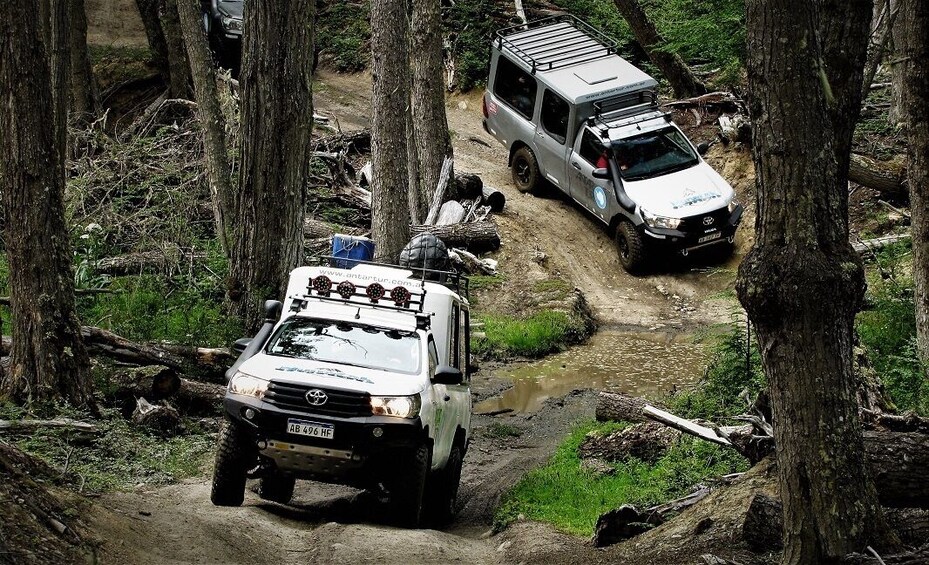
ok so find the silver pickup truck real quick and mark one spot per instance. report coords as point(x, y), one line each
point(574, 113)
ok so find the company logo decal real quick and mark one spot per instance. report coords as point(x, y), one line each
point(334, 373)
point(690, 198)
point(708, 220)
point(600, 197)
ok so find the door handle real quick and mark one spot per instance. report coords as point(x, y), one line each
point(447, 398)
point(576, 165)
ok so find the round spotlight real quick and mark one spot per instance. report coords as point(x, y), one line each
point(345, 289)
point(375, 291)
point(377, 432)
point(322, 285)
point(401, 296)
point(249, 414)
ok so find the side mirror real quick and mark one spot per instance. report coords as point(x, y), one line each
point(446, 375)
point(703, 148)
point(273, 309)
point(603, 173)
point(239, 346)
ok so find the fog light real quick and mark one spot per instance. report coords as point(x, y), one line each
point(262, 445)
point(249, 414)
point(377, 432)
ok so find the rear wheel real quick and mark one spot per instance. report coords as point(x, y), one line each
point(630, 248)
point(443, 489)
point(235, 455)
point(408, 486)
point(525, 170)
point(277, 487)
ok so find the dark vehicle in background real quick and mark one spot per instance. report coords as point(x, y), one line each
point(223, 22)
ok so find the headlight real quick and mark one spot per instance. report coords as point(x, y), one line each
point(247, 385)
point(400, 406)
point(232, 24)
point(732, 206)
point(659, 221)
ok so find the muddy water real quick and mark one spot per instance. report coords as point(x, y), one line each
point(633, 363)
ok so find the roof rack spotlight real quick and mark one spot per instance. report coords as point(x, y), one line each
point(401, 296)
point(375, 292)
point(322, 285)
point(345, 289)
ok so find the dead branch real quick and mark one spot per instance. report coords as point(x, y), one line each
point(19, 426)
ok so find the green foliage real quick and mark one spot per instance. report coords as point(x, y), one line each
point(121, 456)
point(499, 430)
point(571, 498)
point(470, 26)
point(888, 331)
point(537, 335)
point(717, 395)
point(343, 34)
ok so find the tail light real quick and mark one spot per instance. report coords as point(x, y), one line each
point(484, 105)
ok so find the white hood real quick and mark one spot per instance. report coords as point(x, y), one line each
point(690, 192)
point(332, 375)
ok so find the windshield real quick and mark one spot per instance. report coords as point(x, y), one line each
point(347, 344)
point(653, 154)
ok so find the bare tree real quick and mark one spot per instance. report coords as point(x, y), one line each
point(212, 120)
point(915, 54)
point(672, 66)
point(277, 122)
point(83, 92)
point(390, 211)
point(802, 254)
point(430, 123)
point(148, 11)
point(48, 358)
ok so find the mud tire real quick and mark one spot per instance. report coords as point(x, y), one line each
point(235, 455)
point(443, 489)
point(277, 487)
point(525, 170)
point(408, 486)
point(630, 248)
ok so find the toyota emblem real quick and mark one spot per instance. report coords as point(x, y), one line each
point(708, 220)
point(316, 397)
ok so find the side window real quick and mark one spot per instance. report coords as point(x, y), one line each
point(591, 148)
point(433, 357)
point(456, 337)
point(555, 111)
point(515, 87)
point(464, 343)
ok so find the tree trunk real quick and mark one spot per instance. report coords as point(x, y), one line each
point(617, 407)
point(477, 237)
point(277, 121)
point(682, 80)
point(178, 68)
point(897, 68)
point(83, 92)
point(390, 63)
point(414, 195)
point(212, 119)
point(148, 11)
point(801, 254)
point(430, 124)
point(59, 44)
point(48, 357)
point(915, 22)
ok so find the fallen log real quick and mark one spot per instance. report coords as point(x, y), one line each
point(163, 420)
point(898, 463)
point(468, 186)
point(452, 212)
point(878, 175)
point(626, 521)
point(686, 426)
point(908, 422)
point(493, 198)
point(475, 236)
point(723, 101)
point(646, 441)
point(617, 407)
point(472, 264)
point(145, 261)
point(764, 524)
point(211, 358)
point(352, 142)
point(19, 426)
point(438, 197)
point(195, 397)
point(871, 245)
point(153, 382)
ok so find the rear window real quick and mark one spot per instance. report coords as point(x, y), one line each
point(515, 87)
point(347, 344)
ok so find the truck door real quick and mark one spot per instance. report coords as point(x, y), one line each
point(594, 194)
point(511, 103)
point(550, 136)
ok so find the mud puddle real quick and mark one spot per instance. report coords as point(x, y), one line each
point(635, 363)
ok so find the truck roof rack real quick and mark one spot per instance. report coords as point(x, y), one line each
point(451, 280)
point(555, 42)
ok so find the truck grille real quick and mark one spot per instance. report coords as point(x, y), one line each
point(695, 224)
point(339, 403)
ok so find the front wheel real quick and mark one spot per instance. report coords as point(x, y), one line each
point(443, 489)
point(630, 248)
point(408, 486)
point(235, 455)
point(525, 168)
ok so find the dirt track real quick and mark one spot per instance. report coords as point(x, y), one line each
point(326, 524)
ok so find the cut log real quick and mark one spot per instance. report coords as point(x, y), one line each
point(468, 186)
point(686, 426)
point(210, 360)
point(477, 237)
point(194, 397)
point(616, 407)
point(20, 426)
point(617, 525)
point(153, 382)
point(909, 422)
point(878, 175)
point(452, 212)
point(119, 348)
point(646, 441)
point(764, 524)
point(871, 245)
point(471, 263)
point(910, 524)
point(163, 420)
point(493, 198)
point(898, 463)
point(438, 197)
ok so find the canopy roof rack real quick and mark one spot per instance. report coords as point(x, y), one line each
point(555, 42)
point(451, 280)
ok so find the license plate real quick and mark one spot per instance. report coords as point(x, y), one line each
point(710, 237)
point(310, 429)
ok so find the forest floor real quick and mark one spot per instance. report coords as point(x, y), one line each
point(327, 524)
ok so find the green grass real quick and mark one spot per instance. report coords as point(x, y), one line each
point(537, 335)
point(500, 430)
point(565, 495)
point(557, 288)
point(120, 457)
